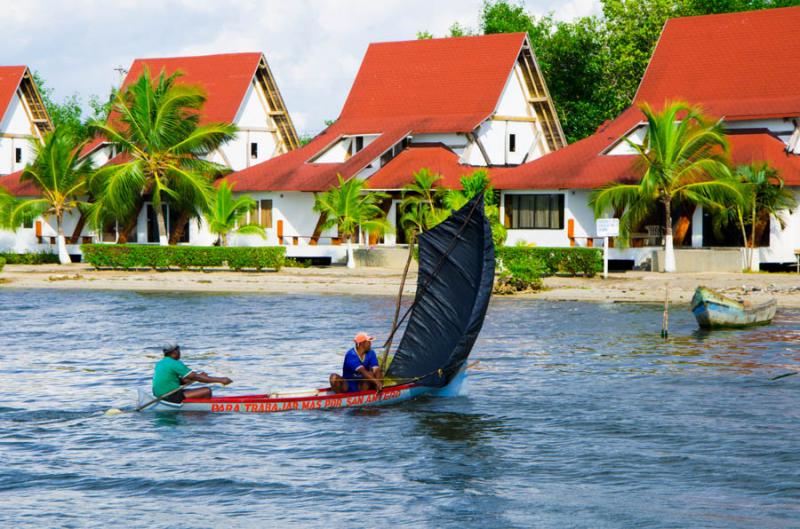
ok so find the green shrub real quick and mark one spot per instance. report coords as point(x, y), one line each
point(129, 256)
point(2, 263)
point(572, 261)
point(30, 258)
point(520, 275)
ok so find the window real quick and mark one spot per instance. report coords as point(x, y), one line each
point(18, 155)
point(265, 219)
point(539, 212)
point(254, 150)
point(512, 143)
point(359, 143)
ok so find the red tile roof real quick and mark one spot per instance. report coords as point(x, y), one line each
point(432, 156)
point(735, 65)
point(225, 79)
point(447, 85)
point(10, 78)
point(761, 146)
point(12, 184)
point(419, 86)
point(293, 172)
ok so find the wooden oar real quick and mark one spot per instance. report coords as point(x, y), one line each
point(164, 396)
point(116, 411)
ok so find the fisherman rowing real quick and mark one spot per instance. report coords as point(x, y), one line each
point(170, 374)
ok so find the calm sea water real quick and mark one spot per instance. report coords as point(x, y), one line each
point(578, 416)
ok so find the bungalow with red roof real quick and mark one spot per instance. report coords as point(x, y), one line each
point(240, 89)
point(739, 67)
point(450, 105)
point(23, 118)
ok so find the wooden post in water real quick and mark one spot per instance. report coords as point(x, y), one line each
point(665, 317)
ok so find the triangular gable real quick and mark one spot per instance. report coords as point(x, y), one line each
point(14, 78)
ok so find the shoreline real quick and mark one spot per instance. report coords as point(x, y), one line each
point(627, 287)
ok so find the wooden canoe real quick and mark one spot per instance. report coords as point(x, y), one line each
point(321, 399)
point(713, 310)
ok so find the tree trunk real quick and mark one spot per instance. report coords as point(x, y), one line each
point(351, 260)
point(180, 227)
point(223, 239)
point(63, 256)
point(682, 225)
point(132, 223)
point(669, 251)
point(162, 225)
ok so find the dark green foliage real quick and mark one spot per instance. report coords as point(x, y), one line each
point(31, 258)
point(2, 263)
point(519, 273)
point(129, 256)
point(571, 261)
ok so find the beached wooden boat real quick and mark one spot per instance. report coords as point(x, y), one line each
point(454, 285)
point(714, 310)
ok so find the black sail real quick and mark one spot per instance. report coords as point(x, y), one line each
point(456, 274)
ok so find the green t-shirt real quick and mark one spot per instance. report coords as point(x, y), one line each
point(167, 375)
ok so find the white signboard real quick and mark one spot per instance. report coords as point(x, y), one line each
point(607, 227)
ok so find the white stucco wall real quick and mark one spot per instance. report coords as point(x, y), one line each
point(19, 127)
point(783, 242)
point(575, 208)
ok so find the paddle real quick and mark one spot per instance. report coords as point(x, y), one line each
point(164, 396)
point(785, 375)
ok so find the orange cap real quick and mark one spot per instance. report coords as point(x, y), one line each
point(363, 337)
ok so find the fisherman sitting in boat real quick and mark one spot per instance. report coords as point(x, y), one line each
point(170, 374)
point(360, 371)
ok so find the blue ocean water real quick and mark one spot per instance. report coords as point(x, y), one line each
point(578, 415)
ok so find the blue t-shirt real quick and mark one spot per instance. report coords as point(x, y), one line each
point(353, 362)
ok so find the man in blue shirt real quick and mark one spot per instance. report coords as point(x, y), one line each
point(361, 371)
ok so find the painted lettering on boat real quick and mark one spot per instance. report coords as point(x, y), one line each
point(315, 404)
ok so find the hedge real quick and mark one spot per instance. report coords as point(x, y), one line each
point(2, 263)
point(30, 258)
point(572, 261)
point(144, 256)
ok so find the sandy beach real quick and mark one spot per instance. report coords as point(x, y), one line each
point(641, 287)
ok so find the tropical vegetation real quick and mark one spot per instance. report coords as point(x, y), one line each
point(226, 215)
point(60, 175)
point(763, 197)
point(127, 256)
point(683, 162)
point(421, 208)
point(350, 209)
point(155, 124)
point(593, 65)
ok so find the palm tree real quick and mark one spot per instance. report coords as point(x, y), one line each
point(683, 160)
point(471, 185)
point(763, 197)
point(155, 122)
point(225, 213)
point(60, 175)
point(349, 209)
point(420, 208)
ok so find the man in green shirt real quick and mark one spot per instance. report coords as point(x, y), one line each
point(170, 374)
